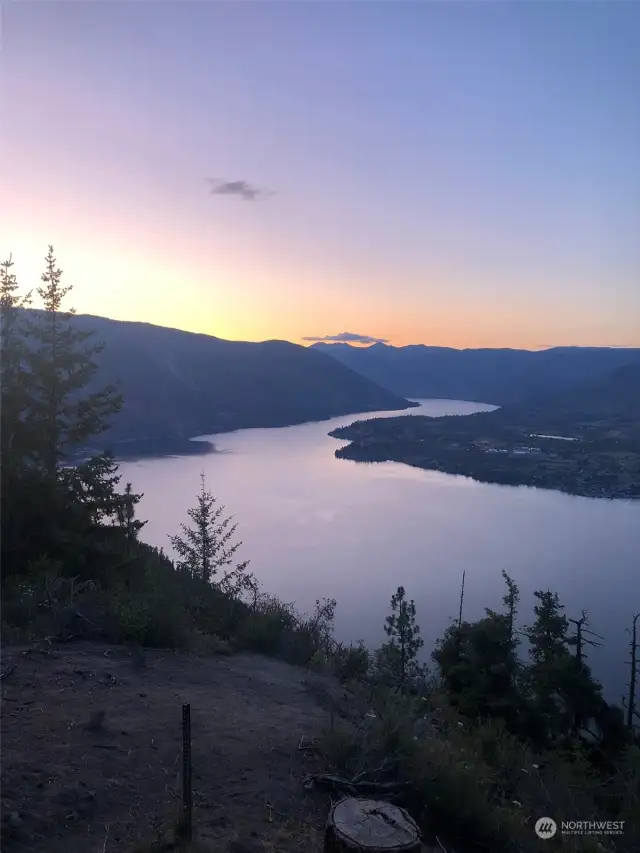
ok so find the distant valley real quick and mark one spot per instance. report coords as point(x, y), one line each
point(177, 385)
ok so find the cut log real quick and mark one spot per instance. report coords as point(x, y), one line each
point(370, 826)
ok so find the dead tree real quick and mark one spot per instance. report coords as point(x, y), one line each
point(630, 703)
point(458, 633)
point(579, 640)
point(461, 600)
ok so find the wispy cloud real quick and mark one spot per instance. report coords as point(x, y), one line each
point(348, 338)
point(243, 189)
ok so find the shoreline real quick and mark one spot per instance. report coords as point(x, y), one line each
point(487, 449)
point(130, 449)
point(351, 453)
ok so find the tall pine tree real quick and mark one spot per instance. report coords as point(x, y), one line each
point(507, 622)
point(404, 634)
point(13, 377)
point(50, 408)
point(64, 412)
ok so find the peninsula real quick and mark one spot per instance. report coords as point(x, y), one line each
point(586, 442)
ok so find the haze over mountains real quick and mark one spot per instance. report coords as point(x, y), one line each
point(497, 376)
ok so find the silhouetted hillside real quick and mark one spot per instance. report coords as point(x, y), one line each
point(178, 384)
point(498, 376)
point(611, 402)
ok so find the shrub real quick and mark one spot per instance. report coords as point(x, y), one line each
point(273, 627)
point(263, 628)
point(351, 663)
point(480, 784)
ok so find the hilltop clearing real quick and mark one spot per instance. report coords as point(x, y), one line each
point(68, 777)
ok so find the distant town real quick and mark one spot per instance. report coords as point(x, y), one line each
point(603, 463)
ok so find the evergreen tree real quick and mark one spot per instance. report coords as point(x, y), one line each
point(48, 409)
point(478, 662)
point(507, 620)
point(510, 601)
point(549, 655)
point(13, 378)
point(63, 412)
point(207, 549)
point(93, 483)
point(548, 634)
point(126, 513)
point(564, 692)
point(473, 660)
point(404, 635)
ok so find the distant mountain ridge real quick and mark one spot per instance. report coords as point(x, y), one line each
point(497, 376)
point(613, 400)
point(180, 384)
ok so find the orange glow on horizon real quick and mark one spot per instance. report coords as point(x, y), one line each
point(494, 207)
point(129, 286)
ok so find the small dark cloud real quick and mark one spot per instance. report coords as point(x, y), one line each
point(242, 189)
point(348, 338)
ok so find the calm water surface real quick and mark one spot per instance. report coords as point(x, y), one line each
point(315, 526)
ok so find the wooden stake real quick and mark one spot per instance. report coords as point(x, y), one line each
point(186, 772)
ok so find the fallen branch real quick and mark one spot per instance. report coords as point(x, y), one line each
point(384, 790)
point(364, 773)
point(334, 783)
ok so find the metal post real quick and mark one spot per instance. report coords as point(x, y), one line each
point(186, 772)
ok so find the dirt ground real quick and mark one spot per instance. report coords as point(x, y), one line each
point(92, 750)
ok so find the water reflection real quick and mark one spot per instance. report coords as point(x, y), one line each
point(316, 526)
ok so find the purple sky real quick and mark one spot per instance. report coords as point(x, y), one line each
point(448, 173)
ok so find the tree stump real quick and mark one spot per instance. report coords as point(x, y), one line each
point(370, 826)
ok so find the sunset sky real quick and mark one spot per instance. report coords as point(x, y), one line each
point(450, 173)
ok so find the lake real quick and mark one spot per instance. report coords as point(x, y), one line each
point(315, 526)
